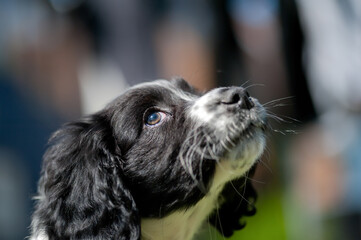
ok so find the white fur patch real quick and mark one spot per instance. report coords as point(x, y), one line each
point(38, 234)
point(199, 111)
point(181, 225)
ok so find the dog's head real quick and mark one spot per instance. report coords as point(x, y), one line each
point(158, 148)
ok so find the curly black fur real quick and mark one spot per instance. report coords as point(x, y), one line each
point(82, 180)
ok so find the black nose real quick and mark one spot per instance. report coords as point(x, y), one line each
point(237, 96)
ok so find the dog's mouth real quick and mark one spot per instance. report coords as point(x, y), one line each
point(252, 129)
point(243, 141)
point(245, 125)
point(253, 132)
point(260, 126)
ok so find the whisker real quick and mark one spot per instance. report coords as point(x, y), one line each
point(220, 222)
point(279, 131)
point(243, 84)
point(254, 85)
point(267, 150)
point(278, 105)
point(240, 194)
point(255, 180)
point(278, 119)
point(281, 118)
point(277, 100)
point(290, 118)
point(225, 146)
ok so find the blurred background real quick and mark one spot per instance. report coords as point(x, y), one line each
point(61, 59)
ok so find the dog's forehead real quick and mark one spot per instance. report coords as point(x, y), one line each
point(159, 93)
point(176, 89)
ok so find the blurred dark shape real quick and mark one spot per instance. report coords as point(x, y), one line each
point(65, 5)
point(293, 41)
point(86, 17)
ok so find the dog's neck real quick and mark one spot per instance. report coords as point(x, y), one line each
point(180, 225)
point(184, 224)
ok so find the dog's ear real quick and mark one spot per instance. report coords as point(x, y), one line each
point(82, 195)
point(184, 85)
point(239, 197)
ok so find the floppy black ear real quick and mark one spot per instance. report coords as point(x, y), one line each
point(239, 197)
point(82, 195)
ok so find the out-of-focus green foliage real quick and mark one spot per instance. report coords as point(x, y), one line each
point(267, 224)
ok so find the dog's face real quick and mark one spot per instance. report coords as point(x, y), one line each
point(159, 148)
point(174, 140)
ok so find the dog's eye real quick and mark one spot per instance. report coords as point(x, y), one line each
point(154, 118)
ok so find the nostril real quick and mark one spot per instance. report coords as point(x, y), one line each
point(232, 98)
point(246, 102)
point(235, 98)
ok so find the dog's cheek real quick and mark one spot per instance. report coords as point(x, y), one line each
point(162, 185)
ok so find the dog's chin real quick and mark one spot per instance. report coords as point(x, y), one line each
point(248, 150)
point(239, 158)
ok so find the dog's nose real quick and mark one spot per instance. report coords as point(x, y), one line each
point(237, 96)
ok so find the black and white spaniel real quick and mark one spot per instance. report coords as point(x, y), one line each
point(156, 163)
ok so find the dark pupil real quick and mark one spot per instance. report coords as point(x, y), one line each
point(153, 118)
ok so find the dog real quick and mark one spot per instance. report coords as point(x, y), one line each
point(156, 163)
